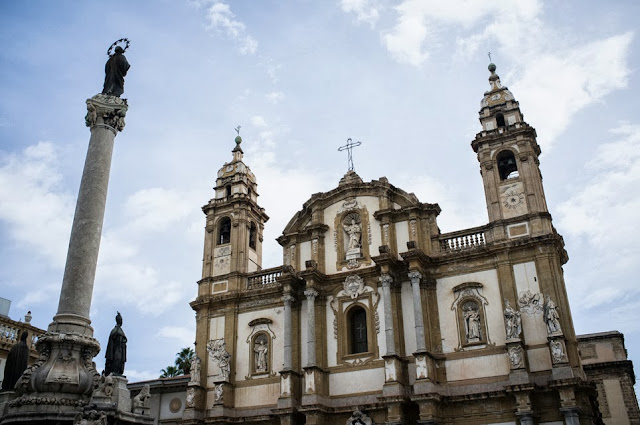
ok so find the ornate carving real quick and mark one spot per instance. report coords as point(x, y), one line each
point(359, 418)
point(515, 357)
point(292, 255)
point(334, 306)
point(191, 397)
point(218, 351)
point(376, 318)
point(105, 387)
point(558, 354)
point(412, 226)
point(353, 264)
point(530, 303)
point(385, 280)
point(422, 371)
point(369, 232)
point(551, 317)
point(218, 394)
point(314, 245)
point(385, 233)
point(390, 371)
point(353, 286)
point(106, 110)
point(335, 240)
point(415, 276)
point(93, 417)
point(348, 205)
point(512, 321)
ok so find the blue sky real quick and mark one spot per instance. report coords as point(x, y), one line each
point(405, 77)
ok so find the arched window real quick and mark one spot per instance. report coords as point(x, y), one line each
point(507, 166)
point(252, 235)
point(224, 231)
point(357, 320)
point(228, 189)
point(500, 120)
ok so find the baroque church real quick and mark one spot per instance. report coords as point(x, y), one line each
point(376, 317)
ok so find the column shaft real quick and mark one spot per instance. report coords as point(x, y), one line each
point(388, 314)
point(311, 328)
point(417, 310)
point(288, 352)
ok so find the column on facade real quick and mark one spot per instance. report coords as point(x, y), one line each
point(288, 346)
point(311, 295)
point(415, 277)
point(386, 281)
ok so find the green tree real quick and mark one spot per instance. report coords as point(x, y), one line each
point(183, 360)
point(169, 372)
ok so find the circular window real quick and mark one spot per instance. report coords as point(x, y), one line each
point(175, 405)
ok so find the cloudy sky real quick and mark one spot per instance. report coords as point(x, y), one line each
point(404, 77)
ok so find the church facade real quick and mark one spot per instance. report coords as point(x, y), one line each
point(376, 317)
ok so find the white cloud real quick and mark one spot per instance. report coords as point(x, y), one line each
point(156, 208)
point(183, 335)
point(365, 10)
point(600, 213)
point(35, 211)
point(221, 18)
point(258, 121)
point(275, 97)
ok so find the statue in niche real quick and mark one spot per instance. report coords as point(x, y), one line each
point(261, 349)
point(551, 316)
point(354, 231)
point(512, 321)
point(16, 364)
point(116, 354)
point(471, 322)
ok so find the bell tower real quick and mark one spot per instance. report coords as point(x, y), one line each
point(235, 223)
point(508, 154)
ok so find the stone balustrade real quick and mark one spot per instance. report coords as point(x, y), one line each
point(10, 333)
point(462, 240)
point(265, 277)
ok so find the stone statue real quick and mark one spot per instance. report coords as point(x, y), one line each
point(515, 356)
point(551, 316)
point(116, 353)
point(105, 387)
point(557, 352)
point(261, 348)
point(142, 399)
point(218, 351)
point(512, 321)
point(472, 325)
point(16, 362)
point(115, 70)
point(355, 233)
point(195, 370)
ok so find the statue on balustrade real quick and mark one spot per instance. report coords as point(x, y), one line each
point(16, 362)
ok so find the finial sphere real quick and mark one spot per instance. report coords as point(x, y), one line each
point(492, 67)
point(238, 140)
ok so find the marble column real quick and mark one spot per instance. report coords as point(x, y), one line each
point(415, 278)
point(311, 295)
point(105, 117)
point(288, 349)
point(386, 280)
point(65, 366)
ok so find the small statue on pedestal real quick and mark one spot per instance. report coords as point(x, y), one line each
point(116, 354)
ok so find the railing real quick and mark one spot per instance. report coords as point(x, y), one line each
point(10, 333)
point(462, 240)
point(265, 277)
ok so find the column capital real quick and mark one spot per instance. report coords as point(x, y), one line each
point(415, 276)
point(310, 293)
point(288, 299)
point(106, 111)
point(385, 280)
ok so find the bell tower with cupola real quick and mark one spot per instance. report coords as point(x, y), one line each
point(508, 154)
point(235, 222)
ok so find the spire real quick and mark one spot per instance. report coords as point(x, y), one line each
point(237, 151)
